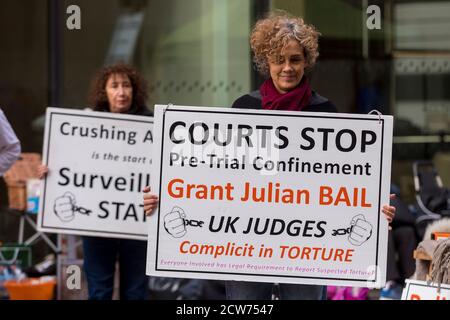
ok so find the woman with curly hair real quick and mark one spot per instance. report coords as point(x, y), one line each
point(284, 48)
point(118, 88)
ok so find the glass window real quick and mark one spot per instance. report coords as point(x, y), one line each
point(191, 52)
point(24, 77)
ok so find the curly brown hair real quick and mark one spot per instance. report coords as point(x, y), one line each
point(97, 95)
point(271, 35)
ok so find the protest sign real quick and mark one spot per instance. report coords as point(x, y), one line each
point(421, 290)
point(98, 165)
point(270, 196)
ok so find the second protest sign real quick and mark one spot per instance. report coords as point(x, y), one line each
point(98, 165)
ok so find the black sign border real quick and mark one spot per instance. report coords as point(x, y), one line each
point(93, 232)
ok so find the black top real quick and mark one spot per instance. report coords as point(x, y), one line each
point(254, 101)
point(135, 110)
point(143, 111)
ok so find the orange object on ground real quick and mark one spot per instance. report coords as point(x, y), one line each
point(440, 235)
point(30, 289)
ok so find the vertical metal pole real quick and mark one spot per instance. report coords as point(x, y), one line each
point(55, 50)
point(258, 9)
point(365, 31)
point(21, 227)
point(55, 80)
point(59, 277)
point(388, 27)
point(390, 52)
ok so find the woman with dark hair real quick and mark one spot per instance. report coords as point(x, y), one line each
point(118, 88)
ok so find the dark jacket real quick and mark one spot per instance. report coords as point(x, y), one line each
point(139, 111)
point(254, 101)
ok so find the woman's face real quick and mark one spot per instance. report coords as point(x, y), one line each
point(119, 93)
point(287, 69)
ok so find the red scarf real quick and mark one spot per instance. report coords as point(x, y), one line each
point(294, 100)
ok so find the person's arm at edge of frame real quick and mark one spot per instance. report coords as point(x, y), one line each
point(9, 145)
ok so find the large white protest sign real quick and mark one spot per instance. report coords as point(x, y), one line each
point(98, 165)
point(421, 290)
point(270, 196)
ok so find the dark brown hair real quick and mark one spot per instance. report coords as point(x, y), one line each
point(97, 96)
